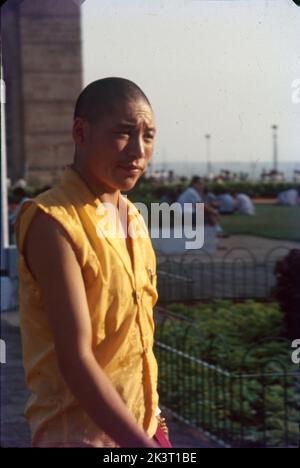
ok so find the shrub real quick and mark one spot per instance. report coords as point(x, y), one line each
point(255, 397)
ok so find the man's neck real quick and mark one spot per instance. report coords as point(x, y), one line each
point(100, 191)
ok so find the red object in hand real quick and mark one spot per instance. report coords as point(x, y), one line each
point(160, 437)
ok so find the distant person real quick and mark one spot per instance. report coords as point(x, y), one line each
point(288, 197)
point(227, 203)
point(296, 177)
point(165, 195)
point(165, 198)
point(244, 204)
point(210, 198)
point(20, 183)
point(20, 197)
point(195, 194)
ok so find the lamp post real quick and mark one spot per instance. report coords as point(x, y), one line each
point(208, 163)
point(4, 207)
point(6, 283)
point(275, 153)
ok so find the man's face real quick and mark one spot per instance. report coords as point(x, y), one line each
point(118, 148)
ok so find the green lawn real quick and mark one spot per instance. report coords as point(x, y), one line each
point(274, 222)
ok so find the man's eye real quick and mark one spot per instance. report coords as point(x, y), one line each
point(149, 136)
point(123, 133)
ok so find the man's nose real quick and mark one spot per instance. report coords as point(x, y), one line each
point(136, 147)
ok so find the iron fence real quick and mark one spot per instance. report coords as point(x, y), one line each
point(236, 407)
point(238, 274)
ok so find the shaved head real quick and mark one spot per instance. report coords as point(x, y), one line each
point(101, 97)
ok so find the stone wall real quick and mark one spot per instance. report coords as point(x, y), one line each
point(47, 42)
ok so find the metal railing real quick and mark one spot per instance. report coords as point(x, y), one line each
point(233, 405)
point(239, 273)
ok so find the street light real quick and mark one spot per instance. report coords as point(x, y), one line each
point(4, 207)
point(209, 168)
point(275, 153)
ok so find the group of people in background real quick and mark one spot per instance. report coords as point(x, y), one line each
point(233, 202)
point(17, 197)
point(288, 198)
point(225, 203)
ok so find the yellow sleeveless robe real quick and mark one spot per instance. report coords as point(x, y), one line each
point(120, 301)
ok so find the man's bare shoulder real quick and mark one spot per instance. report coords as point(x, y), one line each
point(45, 229)
point(47, 245)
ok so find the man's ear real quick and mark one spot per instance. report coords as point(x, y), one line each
point(80, 131)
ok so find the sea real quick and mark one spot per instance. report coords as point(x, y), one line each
point(190, 168)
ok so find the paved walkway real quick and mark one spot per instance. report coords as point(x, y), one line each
point(14, 429)
point(242, 267)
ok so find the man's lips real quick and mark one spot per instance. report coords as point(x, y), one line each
point(130, 169)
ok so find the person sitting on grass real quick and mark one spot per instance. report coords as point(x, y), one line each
point(227, 203)
point(288, 197)
point(244, 204)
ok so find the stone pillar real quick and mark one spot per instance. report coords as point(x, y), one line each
point(42, 71)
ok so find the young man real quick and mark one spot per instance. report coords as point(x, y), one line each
point(86, 296)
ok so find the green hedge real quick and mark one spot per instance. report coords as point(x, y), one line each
point(147, 191)
point(220, 334)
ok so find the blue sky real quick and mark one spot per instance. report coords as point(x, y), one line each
point(224, 67)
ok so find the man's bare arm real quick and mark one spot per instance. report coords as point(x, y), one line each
point(52, 261)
